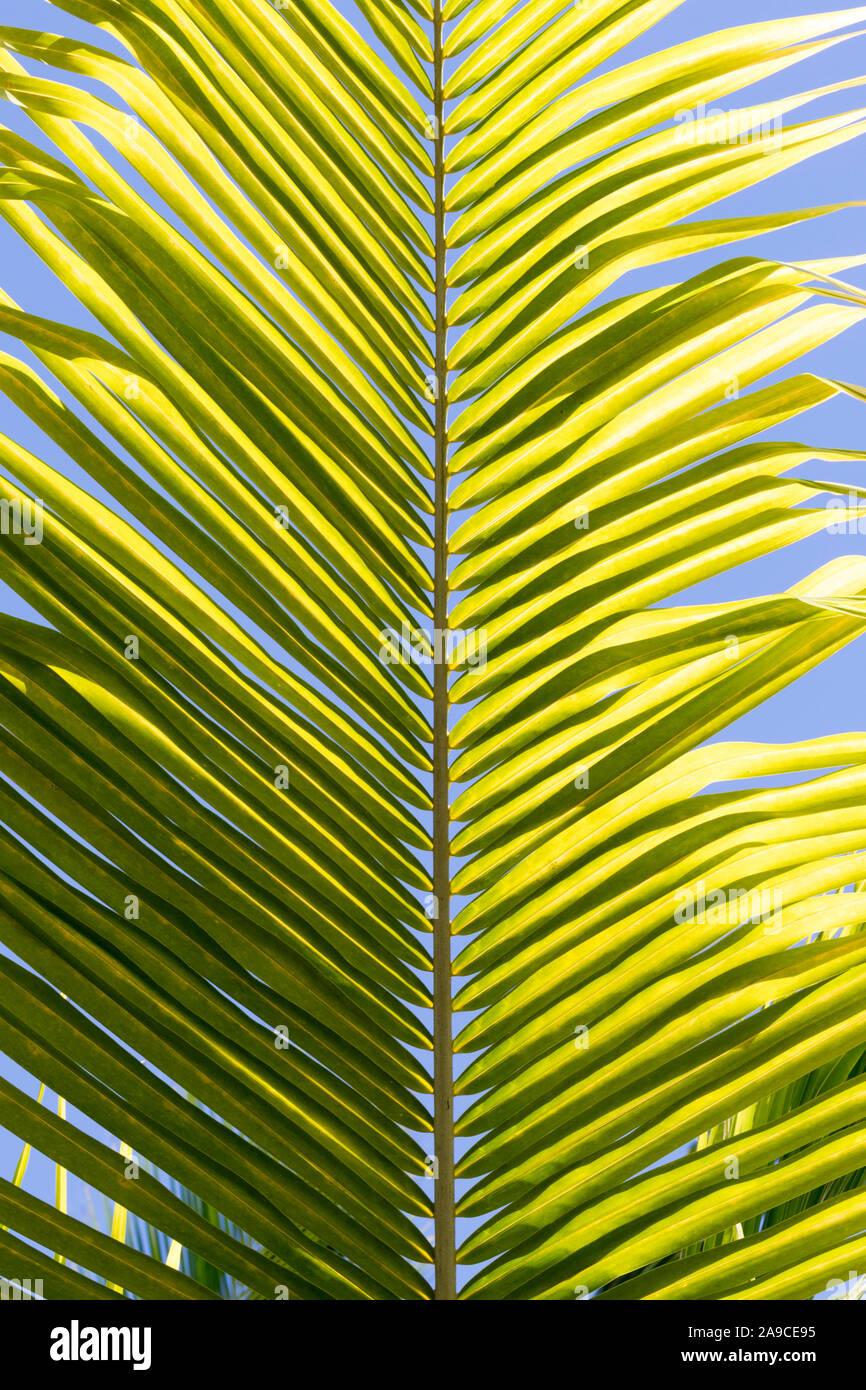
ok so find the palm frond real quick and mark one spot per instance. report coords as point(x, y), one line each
point(246, 798)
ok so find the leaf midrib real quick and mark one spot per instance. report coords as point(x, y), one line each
point(443, 1123)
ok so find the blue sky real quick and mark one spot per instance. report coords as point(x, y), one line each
point(828, 700)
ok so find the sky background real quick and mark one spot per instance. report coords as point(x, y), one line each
point(830, 699)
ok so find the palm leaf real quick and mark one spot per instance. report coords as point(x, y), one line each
point(250, 792)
